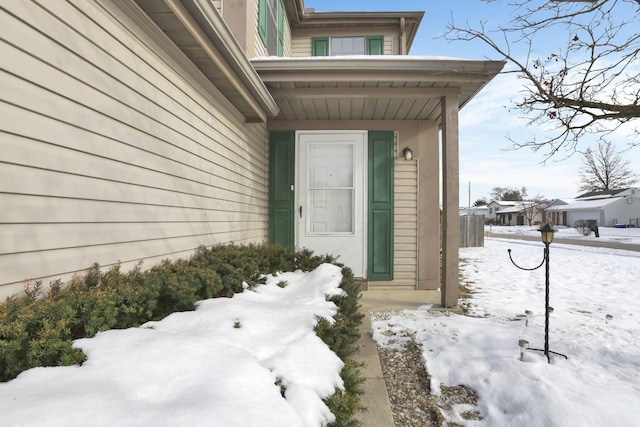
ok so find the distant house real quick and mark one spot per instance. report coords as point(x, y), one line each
point(496, 205)
point(558, 216)
point(524, 213)
point(606, 208)
point(475, 210)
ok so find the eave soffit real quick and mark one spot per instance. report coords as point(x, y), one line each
point(405, 87)
point(196, 28)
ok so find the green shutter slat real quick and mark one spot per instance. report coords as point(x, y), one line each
point(281, 180)
point(381, 261)
point(380, 218)
point(375, 45)
point(280, 29)
point(320, 46)
point(262, 20)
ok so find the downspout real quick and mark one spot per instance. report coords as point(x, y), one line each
point(403, 37)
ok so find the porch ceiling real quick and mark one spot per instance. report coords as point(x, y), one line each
point(367, 88)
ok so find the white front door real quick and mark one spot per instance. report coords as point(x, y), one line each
point(330, 195)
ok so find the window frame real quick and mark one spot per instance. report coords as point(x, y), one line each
point(321, 46)
point(278, 22)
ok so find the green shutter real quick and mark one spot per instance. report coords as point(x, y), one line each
point(375, 45)
point(380, 229)
point(320, 46)
point(280, 28)
point(262, 20)
point(281, 180)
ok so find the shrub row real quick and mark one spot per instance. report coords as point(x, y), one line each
point(37, 329)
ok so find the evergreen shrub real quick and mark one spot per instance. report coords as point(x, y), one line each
point(38, 328)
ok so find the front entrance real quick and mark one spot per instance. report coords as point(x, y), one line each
point(330, 195)
point(332, 191)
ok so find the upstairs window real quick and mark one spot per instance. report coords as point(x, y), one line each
point(347, 46)
point(271, 25)
point(343, 46)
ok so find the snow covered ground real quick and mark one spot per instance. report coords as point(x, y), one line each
point(225, 363)
point(221, 365)
point(595, 322)
point(620, 235)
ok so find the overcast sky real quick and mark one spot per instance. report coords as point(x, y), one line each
point(486, 160)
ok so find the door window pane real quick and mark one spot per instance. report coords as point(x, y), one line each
point(331, 211)
point(331, 188)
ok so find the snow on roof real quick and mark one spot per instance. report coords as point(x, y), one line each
point(585, 204)
point(519, 207)
point(559, 202)
point(511, 209)
point(506, 202)
point(601, 194)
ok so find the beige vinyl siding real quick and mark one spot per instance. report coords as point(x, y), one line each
point(301, 45)
point(405, 263)
point(110, 153)
point(388, 44)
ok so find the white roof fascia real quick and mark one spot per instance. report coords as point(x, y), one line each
point(402, 64)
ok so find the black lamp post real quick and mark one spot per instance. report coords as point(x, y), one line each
point(546, 233)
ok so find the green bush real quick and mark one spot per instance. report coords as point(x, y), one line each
point(34, 332)
point(179, 285)
point(342, 337)
point(38, 328)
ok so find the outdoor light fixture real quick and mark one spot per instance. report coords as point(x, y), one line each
point(546, 233)
point(529, 315)
point(407, 153)
point(524, 345)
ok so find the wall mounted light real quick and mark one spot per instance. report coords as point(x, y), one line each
point(407, 153)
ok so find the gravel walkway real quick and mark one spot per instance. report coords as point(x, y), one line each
point(408, 387)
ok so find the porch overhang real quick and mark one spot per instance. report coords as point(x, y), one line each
point(371, 88)
point(387, 88)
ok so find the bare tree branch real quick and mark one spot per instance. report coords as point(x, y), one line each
point(588, 83)
point(605, 169)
